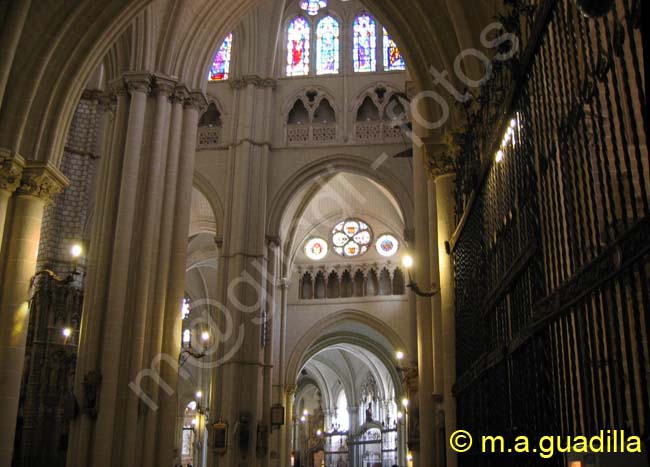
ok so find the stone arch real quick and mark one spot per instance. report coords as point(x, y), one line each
point(320, 336)
point(322, 93)
point(36, 115)
point(330, 165)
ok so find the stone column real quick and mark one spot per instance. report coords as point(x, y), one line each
point(111, 357)
point(244, 263)
point(144, 318)
point(11, 169)
point(163, 263)
point(285, 434)
point(269, 286)
point(98, 262)
point(168, 435)
point(441, 185)
point(39, 184)
point(424, 455)
point(446, 208)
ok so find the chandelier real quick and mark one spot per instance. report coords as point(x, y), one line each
point(312, 7)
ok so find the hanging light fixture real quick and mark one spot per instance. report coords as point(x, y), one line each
point(312, 7)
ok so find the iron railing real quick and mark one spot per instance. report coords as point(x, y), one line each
point(552, 252)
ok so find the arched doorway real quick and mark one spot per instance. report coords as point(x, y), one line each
point(347, 406)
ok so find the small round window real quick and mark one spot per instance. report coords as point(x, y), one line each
point(351, 238)
point(316, 249)
point(387, 245)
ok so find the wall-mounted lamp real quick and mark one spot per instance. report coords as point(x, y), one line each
point(407, 262)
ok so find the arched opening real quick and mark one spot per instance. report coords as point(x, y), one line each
point(348, 410)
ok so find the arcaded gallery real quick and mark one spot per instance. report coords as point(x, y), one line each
point(324, 233)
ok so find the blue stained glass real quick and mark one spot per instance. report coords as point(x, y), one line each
point(298, 47)
point(393, 59)
point(365, 43)
point(327, 36)
point(221, 64)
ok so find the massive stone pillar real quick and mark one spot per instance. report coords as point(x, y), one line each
point(168, 436)
point(39, 183)
point(130, 336)
point(245, 283)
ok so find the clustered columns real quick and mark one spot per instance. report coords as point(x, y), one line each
point(130, 332)
point(25, 189)
point(246, 275)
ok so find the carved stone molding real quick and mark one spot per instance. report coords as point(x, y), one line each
point(42, 181)
point(257, 81)
point(440, 165)
point(137, 82)
point(11, 169)
point(163, 86)
point(196, 100)
point(180, 94)
point(284, 284)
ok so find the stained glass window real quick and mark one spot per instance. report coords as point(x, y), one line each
point(316, 249)
point(365, 43)
point(351, 237)
point(221, 64)
point(298, 47)
point(393, 59)
point(387, 245)
point(327, 36)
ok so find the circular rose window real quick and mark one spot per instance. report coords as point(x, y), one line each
point(351, 238)
point(387, 245)
point(316, 249)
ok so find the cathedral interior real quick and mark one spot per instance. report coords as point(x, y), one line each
point(324, 233)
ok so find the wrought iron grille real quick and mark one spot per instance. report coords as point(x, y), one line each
point(552, 252)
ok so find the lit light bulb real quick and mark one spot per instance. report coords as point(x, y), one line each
point(400, 415)
point(407, 261)
point(405, 402)
point(303, 419)
point(199, 394)
point(399, 355)
point(76, 250)
point(205, 336)
point(67, 332)
point(319, 432)
point(306, 412)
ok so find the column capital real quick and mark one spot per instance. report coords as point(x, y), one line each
point(164, 86)
point(196, 100)
point(180, 94)
point(284, 283)
point(137, 82)
point(42, 180)
point(440, 156)
point(11, 169)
